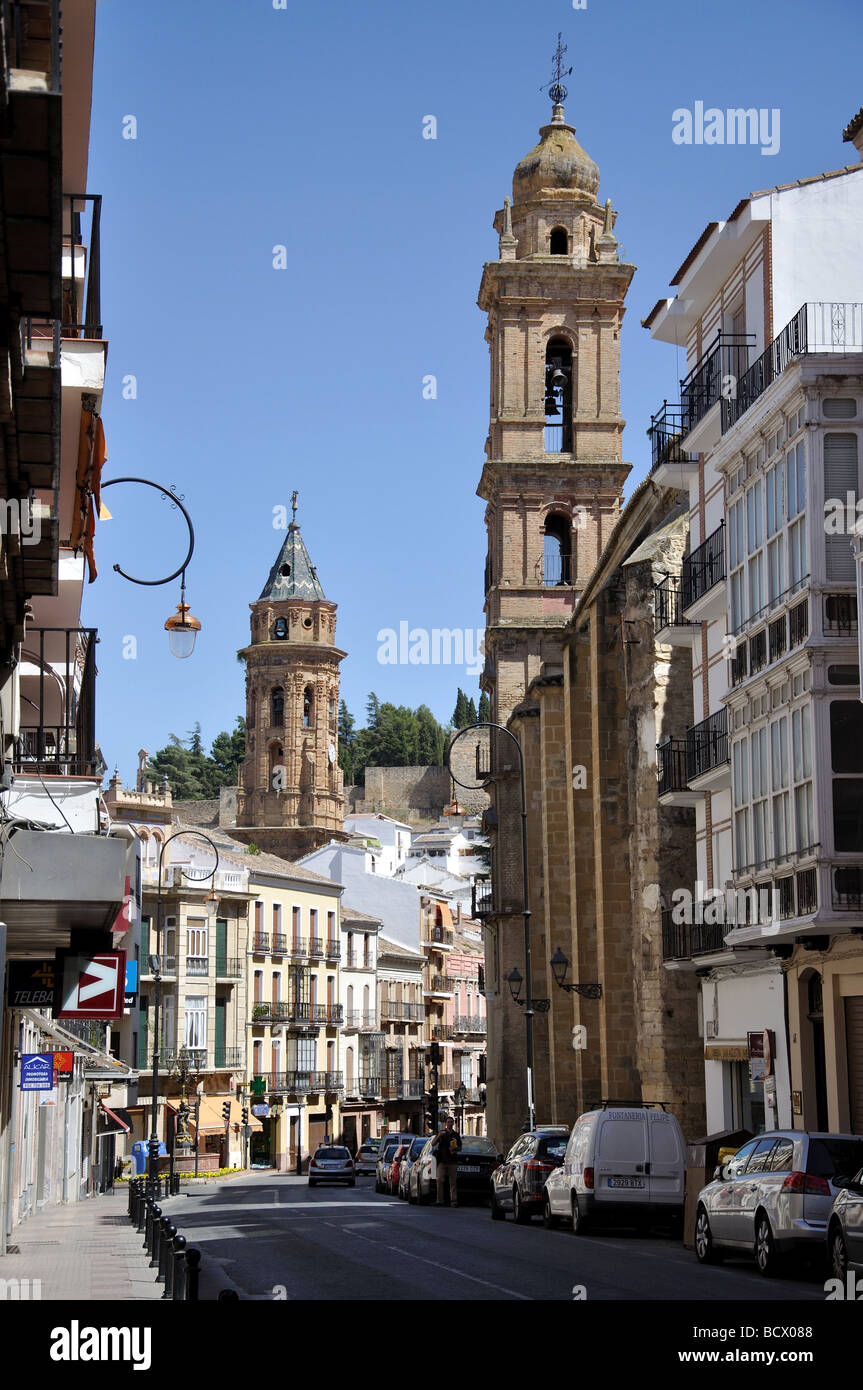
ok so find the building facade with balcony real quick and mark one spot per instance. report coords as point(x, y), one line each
point(361, 1057)
point(68, 877)
point(465, 1023)
point(766, 445)
point(401, 1008)
point(295, 1011)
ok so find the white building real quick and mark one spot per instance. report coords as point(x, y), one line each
point(769, 429)
point(387, 841)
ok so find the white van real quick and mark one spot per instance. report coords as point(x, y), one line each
point(623, 1165)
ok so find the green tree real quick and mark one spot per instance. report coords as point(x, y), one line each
point(471, 713)
point(460, 713)
point(347, 742)
point(484, 714)
point(227, 753)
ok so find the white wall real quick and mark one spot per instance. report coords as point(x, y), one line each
point(816, 245)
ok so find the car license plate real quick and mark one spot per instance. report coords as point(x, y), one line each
point(626, 1182)
point(468, 1168)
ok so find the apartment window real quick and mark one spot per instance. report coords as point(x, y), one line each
point(795, 467)
point(797, 553)
point(197, 962)
point(277, 919)
point(302, 1054)
point(740, 782)
point(296, 924)
point(196, 1020)
point(258, 1058)
point(801, 768)
point(779, 782)
point(277, 986)
point(259, 987)
point(841, 675)
point(774, 483)
point(259, 917)
point(760, 796)
point(775, 570)
point(754, 522)
point(465, 1076)
point(846, 745)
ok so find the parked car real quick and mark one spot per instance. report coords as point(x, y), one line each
point(389, 1144)
point(624, 1165)
point(845, 1228)
point(367, 1158)
point(392, 1183)
point(774, 1197)
point(477, 1161)
point(332, 1164)
point(518, 1185)
point(408, 1161)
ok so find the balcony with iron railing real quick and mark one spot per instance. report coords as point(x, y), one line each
point(446, 1081)
point(442, 1032)
point(668, 612)
point(672, 766)
point(280, 945)
point(198, 966)
point(228, 967)
point(333, 950)
point(299, 946)
point(683, 940)
point(369, 1085)
point(469, 1023)
point(357, 960)
point(439, 984)
point(316, 946)
point(228, 1058)
point(482, 899)
point(724, 362)
point(840, 614)
point(818, 327)
point(438, 938)
point(57, 675)
point(82, 295)
point(358, 1019)
point(703, 568)
point(260, 943)
point(666, 435)
point(708, 745)
point(557, 570)
point(271, 1011)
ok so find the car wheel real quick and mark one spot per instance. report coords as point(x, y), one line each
point(705, 1251)
point(549, 1220)
point(838, 1253)
point(579, 1222)
point(411, 1198)
point(519, 1215)
point(766, 1258)
point(497, 1213)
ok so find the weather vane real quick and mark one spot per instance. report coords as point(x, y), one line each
point(294, 507)
point(556, 90)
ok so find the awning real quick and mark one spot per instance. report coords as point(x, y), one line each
point(98, 1065)
point(119, 1121)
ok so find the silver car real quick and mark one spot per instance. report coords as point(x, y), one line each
point(367, 1159)
point(773, 1198)
point(407, 1163)
point(845, 1228)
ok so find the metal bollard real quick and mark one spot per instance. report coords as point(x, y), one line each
point(178, 1288)
point(156, 1231)
point(193, 1274)
point(166, 1232)
point(142, 1210)
point(148, 1221)
point(168, 1256)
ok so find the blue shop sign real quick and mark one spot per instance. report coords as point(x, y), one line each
point(37, 1071)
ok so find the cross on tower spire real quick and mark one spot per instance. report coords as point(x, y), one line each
point(556, 90)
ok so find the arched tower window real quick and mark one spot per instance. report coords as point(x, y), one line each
point(558, 397)
point(558, 561)
point(308, 707)
point(277, 708)
point(559, 241)
point(280, 629)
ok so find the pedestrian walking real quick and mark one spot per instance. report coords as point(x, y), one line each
point(446, 1151)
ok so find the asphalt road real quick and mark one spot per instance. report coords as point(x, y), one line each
point(268, 1236)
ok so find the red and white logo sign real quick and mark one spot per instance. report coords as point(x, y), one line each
point(91, 986)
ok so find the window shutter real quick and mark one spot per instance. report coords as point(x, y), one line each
point(840, 478)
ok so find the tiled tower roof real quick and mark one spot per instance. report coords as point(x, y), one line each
point(293, 575)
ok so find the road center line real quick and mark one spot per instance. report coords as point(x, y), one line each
point(525, 1298)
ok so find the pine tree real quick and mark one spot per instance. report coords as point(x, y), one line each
point(484, 714)
point(347, 742)
point(471, 713)
point(460, 714)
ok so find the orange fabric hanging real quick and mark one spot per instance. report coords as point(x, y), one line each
point(92, 456)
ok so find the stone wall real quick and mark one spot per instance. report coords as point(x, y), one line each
point(409, 793)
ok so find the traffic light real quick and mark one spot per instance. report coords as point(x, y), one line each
point(226, 1111)
point(245, 1115)
point(434, 1054)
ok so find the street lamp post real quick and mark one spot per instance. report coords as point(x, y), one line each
point(156, 966)
point(182, 627)
point(529, 1010)
point(460, 1098)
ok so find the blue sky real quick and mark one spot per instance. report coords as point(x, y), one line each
point(302, 128)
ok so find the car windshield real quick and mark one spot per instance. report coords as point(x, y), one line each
point(472, 1144)
point(366, 1151)
point(332, 1153)
point(416, 1148)
point(552, 1148)
point(829, 1157)
point(389, 1148)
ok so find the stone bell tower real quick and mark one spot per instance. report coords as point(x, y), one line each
point(553, 474)
point(552, 481)
point(292, 798)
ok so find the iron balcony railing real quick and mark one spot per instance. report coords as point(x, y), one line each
point(446, 1081)
point(704, 567)
point(672, 765)
point(393, 1011)
point(682, 940)
point(370, 1085)
point(261, 942)
point(355, 960)
point(83, 245)
point(57, 673)
point(439, 936)
point(333, 950)
point(228, 1058)
point(556, 570)
point(724, 363)
point(798, 623)
point(840, 614)
point(280, 945)
point(316, 946)
point(847, 889)
point(440, 984)
point(228, 967)
point(278, 1010)
point(402, 1088)
point(482, 899)
point(197, 965)
point(442, 1032)
point(817, 327)
point(666, 432)
point(668, 606)
point(359, 1018)
point(708, 743)
point(299, 947)
point(196, 1057)
point(469, 1023)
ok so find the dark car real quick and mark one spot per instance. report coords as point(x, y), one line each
point(476, 1163)
point(845, 1227)
point(518, 1185)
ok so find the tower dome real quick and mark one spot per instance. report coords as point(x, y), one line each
point(556, 164)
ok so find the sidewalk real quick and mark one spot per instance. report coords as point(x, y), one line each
point(85, 1250)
